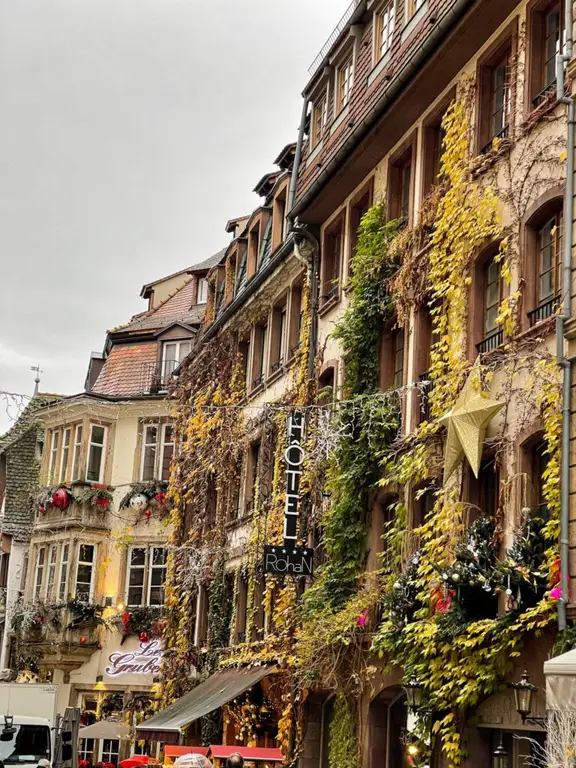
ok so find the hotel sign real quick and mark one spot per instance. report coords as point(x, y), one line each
point(290, 559)
point(145, 661)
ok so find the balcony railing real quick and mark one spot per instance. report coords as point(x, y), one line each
point(545, 94)
point(491, 342)
point(313, 68)
point(544, 311)
point(155, 377)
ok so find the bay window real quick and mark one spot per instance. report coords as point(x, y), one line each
point(51, 576)
point(146, 574)
point(63, 577)
point(77, 452)
point(39, 575)
point(149, 447)
point(65, 454)
point(54, 446)
point(96, 456)
point(167, 451)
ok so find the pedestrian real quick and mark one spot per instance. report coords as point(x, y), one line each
point(235, 760)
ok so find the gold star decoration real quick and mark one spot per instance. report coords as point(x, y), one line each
point(467, 422)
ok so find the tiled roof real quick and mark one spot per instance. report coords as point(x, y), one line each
point(208, 263)
point(129, 370)
point(155, 321)
point(179, 303)
point(26, 420)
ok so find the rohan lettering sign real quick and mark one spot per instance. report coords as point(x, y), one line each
point(291, 559)
point(145, 661)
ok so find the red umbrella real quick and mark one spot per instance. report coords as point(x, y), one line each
point(135, 761)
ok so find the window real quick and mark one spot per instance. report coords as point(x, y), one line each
point(85, 572)
point(398, 347)
point(39, 576)
point(278, 341)
point(86, 750)
point(202, 290)
point(65, 454)
point(253, 250)
point(173, 352)
point(495, 96)
point(167, 451)
point(331, 261)
point(244, 351)
point(550, 260)
point(279, 219)
point(63, 578)
point(53, 456)
point(149, 445)
point(491, 296)
point(326, 386)
point(414, 5)
point(358, 209)
point(345, 79)
point(384, 29)
point(488, 487)
point(400, 188)
point(260, 348)
point(319, 119)
point(77, 452)
point(95, 472)
point(546, 36)
point(146, 576)
point(241, 272)
point(110, 751)
point(539, 462)
point(51, 580)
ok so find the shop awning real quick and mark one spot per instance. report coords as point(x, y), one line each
point(560, 674)
point(177, 751)
point(255, 754)
point(105, 729)
point(214, 692)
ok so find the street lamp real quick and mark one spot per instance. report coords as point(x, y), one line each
point(500, 757)
point(414, 692)
point(523, 692)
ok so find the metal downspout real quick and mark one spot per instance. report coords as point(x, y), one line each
point(562, 319)
point(297, 161)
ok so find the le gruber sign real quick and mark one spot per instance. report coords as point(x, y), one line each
point(145, 661)
point(290, 559)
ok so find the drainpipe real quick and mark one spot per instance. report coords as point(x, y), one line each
point(297, 161)
point(562, 319)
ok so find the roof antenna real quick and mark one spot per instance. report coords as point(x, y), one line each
point(37, 379)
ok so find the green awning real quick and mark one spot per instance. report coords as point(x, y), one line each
point(213, 693)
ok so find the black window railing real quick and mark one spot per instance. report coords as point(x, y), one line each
point(155, 377)
point(294, 349)
point(502, 135)
point(491, 342)
point(544, 310)
point(330, 294)
point(546, 94)
point(277, 365)
point(257, 381)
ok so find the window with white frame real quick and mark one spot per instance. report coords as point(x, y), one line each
point(145, 576)
point(63, 576)
point(77, 452)
point(110, 751)
point(173, 352)
point(39, 575)
point(319, 118)
point(413, 6)
point(345, 81)
point(149, 448)
point(54, 446)
point(167, 451)
point(96, 454)
point(202, 291)
point(51, 575)
point(385, 19)
point(65, 454)
point(86, 750)
point(85, 572)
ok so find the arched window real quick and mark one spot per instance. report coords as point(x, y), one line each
point(543, 262)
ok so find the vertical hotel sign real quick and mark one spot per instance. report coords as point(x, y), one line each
point(291, 559)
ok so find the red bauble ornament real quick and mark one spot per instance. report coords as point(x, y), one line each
point(83, 640)
point(160, 498)
point(102, 502)
point(61, 498)
point(143, 637)
point(147, 513)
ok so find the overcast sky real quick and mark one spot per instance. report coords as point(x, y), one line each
point(131, 131)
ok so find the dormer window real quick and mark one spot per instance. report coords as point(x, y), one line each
point(319, 119)
point(384, 29)
point(173, 352)
point(202, 291)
